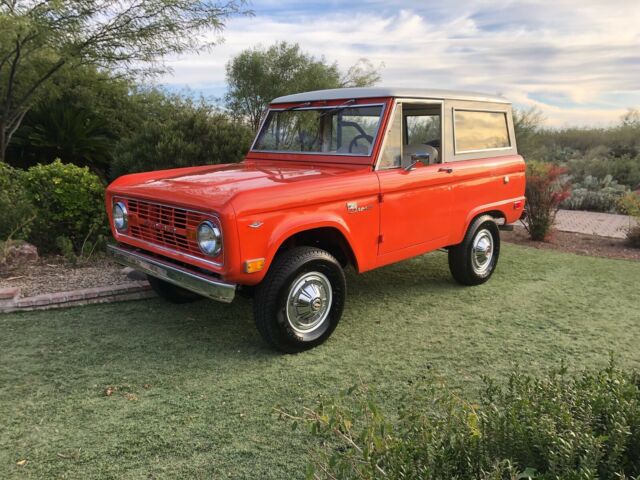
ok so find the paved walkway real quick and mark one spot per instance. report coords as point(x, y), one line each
point(593, 223)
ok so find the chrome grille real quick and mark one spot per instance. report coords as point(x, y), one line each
point(170, 227)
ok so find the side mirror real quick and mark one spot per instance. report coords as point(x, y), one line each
point(415, 158)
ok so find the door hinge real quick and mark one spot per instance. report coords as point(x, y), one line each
point(380, 197)
point(380, 238)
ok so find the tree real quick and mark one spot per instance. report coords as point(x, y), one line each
point(256, 76)
point(631, 118)
point(39, 39)
point(528, 125)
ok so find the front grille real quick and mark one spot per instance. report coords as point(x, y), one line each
point(170, 227)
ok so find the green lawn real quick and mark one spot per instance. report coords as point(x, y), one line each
point(195, 386)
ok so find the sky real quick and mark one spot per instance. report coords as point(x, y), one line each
point(576, 60)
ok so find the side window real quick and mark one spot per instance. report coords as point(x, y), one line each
point(477, 130)
point(422, 133)
point(423, 129)
point(392, 153)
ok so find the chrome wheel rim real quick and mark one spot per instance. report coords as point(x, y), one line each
point(482, 252)
point(309, 302)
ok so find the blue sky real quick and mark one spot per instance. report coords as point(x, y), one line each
point(577, 60)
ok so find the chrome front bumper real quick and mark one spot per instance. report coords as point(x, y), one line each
point(194, 281)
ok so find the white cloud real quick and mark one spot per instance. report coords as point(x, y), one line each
point(577, 60)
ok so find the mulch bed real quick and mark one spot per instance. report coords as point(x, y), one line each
point(52, 274)
point(578, 243)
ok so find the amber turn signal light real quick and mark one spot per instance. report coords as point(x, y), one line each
point(255, 265)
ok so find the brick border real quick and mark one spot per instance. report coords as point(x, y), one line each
point(10, 301)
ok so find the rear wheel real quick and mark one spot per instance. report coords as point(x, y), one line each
point(473, 261)
point(171, 292)
point(299, 303)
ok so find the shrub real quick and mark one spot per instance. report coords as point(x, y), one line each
point(630, 205)
point(70, 203)
point(16, 210)
point(177, 132)
point(585, 427)
point(547, 187)
point(596, 195)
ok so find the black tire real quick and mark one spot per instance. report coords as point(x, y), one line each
point(464, 268)
point(171, 292)
point(289, 270)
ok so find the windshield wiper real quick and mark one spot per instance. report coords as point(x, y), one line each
point(295, 107)
point(337, 108)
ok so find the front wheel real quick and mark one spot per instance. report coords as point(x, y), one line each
point(299, 303)
point(473, 261)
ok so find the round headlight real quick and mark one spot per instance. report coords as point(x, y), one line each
point(120, 216)
point(209, 239)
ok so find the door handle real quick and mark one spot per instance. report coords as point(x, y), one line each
point(446, 169)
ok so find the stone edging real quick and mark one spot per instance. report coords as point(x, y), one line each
point(10, 300)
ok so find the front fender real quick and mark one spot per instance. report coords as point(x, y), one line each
point(261, 235)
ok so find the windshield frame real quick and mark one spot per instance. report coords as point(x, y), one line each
point(338, 107)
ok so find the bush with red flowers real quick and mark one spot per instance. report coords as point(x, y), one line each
point(547, 187)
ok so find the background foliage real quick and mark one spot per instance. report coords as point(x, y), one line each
point(174, 131)
point(80, 117)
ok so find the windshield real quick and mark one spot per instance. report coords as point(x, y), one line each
point(328, 130)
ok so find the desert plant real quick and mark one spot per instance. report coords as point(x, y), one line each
point(70, 203)
point(547, 187)
point(630, 205)
point(600, 162)
point(596, 195)
point(557, 426)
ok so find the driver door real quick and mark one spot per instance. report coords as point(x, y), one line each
point(416, 202)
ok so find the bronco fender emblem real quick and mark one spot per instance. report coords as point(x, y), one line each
point(352, 207)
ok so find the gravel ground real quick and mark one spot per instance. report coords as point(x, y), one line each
point(52, 274)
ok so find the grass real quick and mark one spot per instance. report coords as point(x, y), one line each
point(194, 387)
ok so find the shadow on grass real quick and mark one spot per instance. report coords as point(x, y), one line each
point(232, 326)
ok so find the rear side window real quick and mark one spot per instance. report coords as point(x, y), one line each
point(476, 130)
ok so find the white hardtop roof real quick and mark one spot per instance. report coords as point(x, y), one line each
point(376, 92)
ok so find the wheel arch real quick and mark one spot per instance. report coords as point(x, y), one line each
point(494, 212)
point(331, 238)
